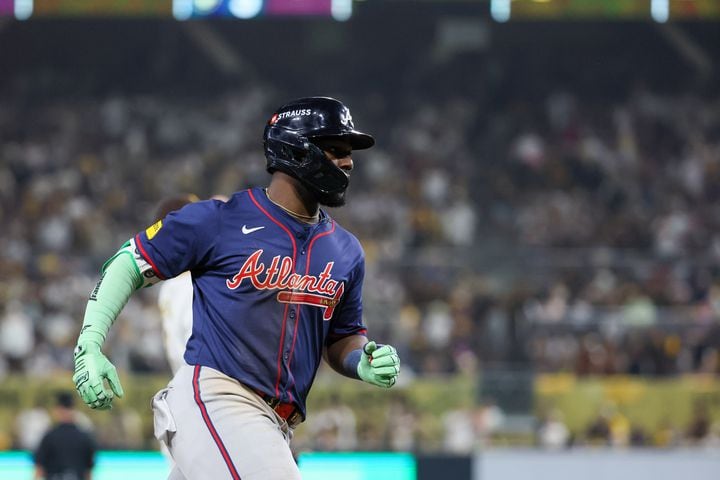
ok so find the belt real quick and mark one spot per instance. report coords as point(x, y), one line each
point(287, 411)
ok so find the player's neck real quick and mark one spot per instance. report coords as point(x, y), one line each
point(287, 193)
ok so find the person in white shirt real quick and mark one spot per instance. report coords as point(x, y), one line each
point(175, 296)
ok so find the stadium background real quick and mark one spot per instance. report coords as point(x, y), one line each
point(539, 216)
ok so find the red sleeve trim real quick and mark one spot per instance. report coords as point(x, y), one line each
point(335, 338)
point(147, 258)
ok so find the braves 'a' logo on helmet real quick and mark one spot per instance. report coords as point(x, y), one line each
point(346, 118)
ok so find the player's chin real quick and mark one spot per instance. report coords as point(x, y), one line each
point(332, 200)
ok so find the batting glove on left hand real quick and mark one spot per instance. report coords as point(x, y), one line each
point(379, 366)
point(92, 368)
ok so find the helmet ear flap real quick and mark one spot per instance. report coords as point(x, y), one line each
point(294, 154)
point(320, 173)
point(287, 152)
point(284, 146)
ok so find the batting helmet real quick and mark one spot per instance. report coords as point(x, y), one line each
point(290, 135)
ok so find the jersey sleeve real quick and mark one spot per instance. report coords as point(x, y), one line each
point(181, 241)
point(348, 319)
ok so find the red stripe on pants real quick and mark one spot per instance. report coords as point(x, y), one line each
point(210, 426)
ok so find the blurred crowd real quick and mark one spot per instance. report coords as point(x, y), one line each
point(565, 235)
point(572, 233)
point(337, 425)
point(540, 200)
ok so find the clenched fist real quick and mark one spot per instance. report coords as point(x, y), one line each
point(379, 365)
point(92, 368)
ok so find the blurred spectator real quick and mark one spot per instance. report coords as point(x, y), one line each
point(610, 428)
point(333, 428)
point(488, 419)
point(620, 429)
point(666, 435)
point(699, 429)
point(712, 439)
point(30, 427)
point(124, 431)
point(17, 338)
point(598, 432)
point(638, 437)
point(402, 423)
point(459, 436)
point(552, 433)
point(66, 452)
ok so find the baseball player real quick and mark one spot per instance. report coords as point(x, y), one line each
point(277, 286)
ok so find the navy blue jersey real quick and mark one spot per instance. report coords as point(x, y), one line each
point(269, 291)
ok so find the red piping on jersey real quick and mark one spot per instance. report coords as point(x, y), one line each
point(282, 332)
point(147, 257)
point(307, 272)
point(211, 427)
point(312, 242)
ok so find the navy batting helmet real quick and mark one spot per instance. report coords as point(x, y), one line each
point(290, 135)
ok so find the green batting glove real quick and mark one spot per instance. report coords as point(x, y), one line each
point(379, 366)
point(92, 368)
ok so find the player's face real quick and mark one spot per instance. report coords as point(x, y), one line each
point(340, 153)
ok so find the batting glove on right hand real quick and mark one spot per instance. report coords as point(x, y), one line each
point(92, 368)
point(379, 366)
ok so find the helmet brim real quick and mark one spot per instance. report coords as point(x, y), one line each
point(360, 140)
point(357, 140)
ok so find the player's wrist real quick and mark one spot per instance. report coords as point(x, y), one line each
point(351, 364)
point(91, 338)
point(86, 346)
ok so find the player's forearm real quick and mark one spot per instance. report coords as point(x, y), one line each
point(341, 354)
point(120, 278)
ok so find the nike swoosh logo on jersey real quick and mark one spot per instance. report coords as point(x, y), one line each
point(247, 230)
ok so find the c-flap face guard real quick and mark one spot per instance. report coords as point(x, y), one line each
point(305, 160)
